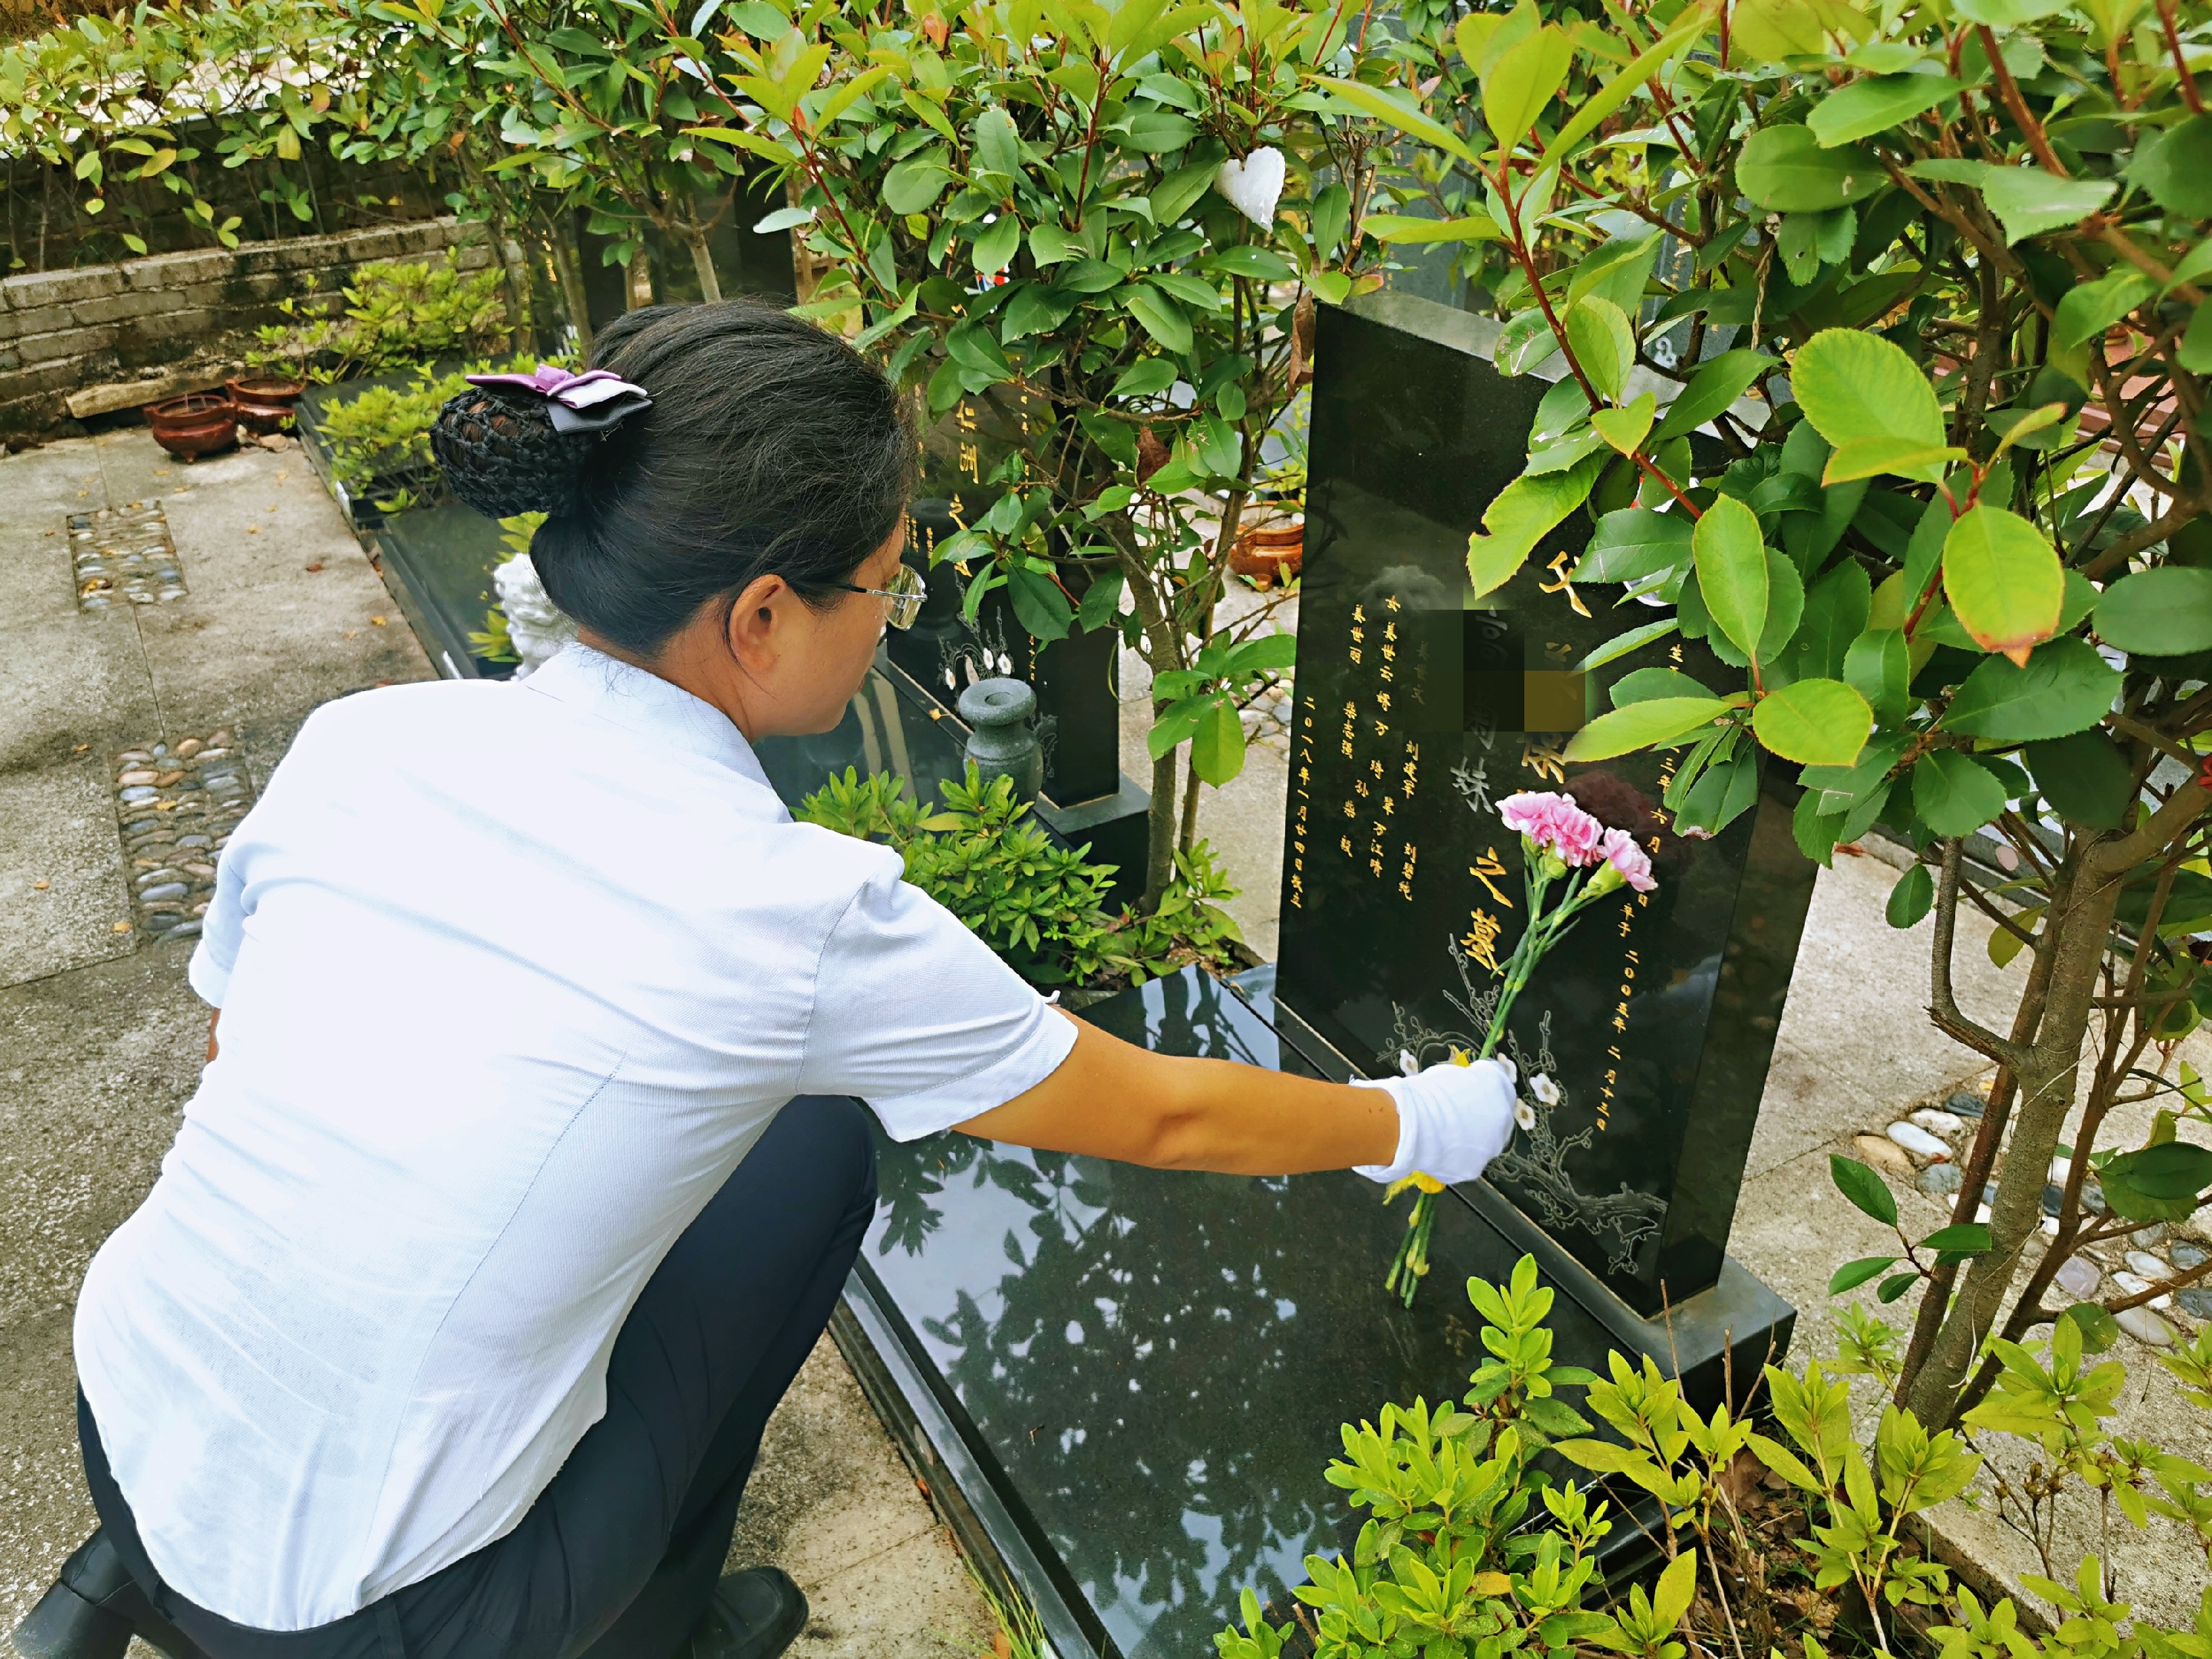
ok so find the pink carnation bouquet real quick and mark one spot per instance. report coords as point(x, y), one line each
point(1570, 861)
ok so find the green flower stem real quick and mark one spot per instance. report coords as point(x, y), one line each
point(1411, 1263)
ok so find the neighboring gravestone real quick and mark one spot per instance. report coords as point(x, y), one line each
point(1420, 706)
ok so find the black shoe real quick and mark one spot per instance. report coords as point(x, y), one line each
point(754, 1614)
point(93, 1610)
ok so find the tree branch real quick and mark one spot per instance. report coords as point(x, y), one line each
point(1943, 1006)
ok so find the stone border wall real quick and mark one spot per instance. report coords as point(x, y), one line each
point(97, 338)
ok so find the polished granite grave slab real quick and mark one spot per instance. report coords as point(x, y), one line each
point(1421, 706)
point(437, 563)
point(1136, 1378)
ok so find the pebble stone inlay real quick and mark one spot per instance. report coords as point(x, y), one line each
point(177, 804)
point(124, 553)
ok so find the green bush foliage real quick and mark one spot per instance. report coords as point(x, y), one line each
point(1471, 1551)
point(1881, 335)
point(1040, 907)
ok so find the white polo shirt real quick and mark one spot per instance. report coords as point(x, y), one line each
point(512, 977)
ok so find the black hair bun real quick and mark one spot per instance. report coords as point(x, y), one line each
point(499, 453)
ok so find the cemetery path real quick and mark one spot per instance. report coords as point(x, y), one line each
point(260, 606)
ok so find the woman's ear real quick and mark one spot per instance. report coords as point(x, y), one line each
point(750, 630)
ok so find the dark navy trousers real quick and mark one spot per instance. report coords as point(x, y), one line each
point(619, 1554)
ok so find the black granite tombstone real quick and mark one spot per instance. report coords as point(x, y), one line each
point(1420, 706)
point(1122, 1385)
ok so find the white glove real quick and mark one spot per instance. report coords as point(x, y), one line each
point(1452, 1120)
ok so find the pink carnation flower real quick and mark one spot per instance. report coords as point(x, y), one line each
point(1554, 823)
point(1618, 848)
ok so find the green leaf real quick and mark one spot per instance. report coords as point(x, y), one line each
point(1967, 1238)
point(1819, 722)
point(1732, 572)
point(1635, 542)
point(1260, 264)
point(997, 143)
point(1908, 457)
point(912, 185)
point(1180, 190)
point(1604, 344)
point(2195, 352)
point(1625, 429)
point(1161, 317)
point(1643, 684)
point(1520, 515)
point(1853, 385)
point(2087, 309)
point(1784, 169)
point(1866, 107)
point(1716, 386)
point(2026, 200)
point(1878, 666)
point(1591, 113)
point(2158, 613)
point(1852, 1274)
point(2175, 1170)
point(1890, 1289)
point(1217, 748)
point(2176, 169)
point(1035, 310)
point(1410, 229)
point(996, 247)
point(2084, 777)
point(1677, 1587)
point(1145, 378)
point(1912, 897)
point(1385, 106)
point(1158, 132)
point(1835, 615)
point(1039, 605)
point(2004, 581)
point(1621, 644)
point(1643, 726)
point(1526, 78)
point(2100, 1330)
point(1952, 795)
point(2066, 687)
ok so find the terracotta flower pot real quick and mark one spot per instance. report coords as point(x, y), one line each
point(199, 423)
point(1269, 553)
point(265, 402)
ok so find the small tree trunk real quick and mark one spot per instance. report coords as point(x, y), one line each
point(703, 258)
point(569, 267)
point(1189, 835)
point(1160, 832)
point(806, 275)
point(637, 285)
point(2083, 919)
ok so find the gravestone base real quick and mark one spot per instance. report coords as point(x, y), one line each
point(1123, 1386)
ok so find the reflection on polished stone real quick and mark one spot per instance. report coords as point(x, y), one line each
point(1159, 1362)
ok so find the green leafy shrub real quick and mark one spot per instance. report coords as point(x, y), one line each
point(1472, 1552)
point(1926, 285)
point(393, 314)
point(1025, 195)
point(1040, 907)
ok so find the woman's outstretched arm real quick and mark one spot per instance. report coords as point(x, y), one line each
point(1112, 1099)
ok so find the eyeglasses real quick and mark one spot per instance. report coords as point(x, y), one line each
point(907, 591)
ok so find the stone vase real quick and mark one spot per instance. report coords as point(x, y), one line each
point(1000, 740)
point(538, 626)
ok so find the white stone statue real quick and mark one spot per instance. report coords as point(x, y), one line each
point(538, 626)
